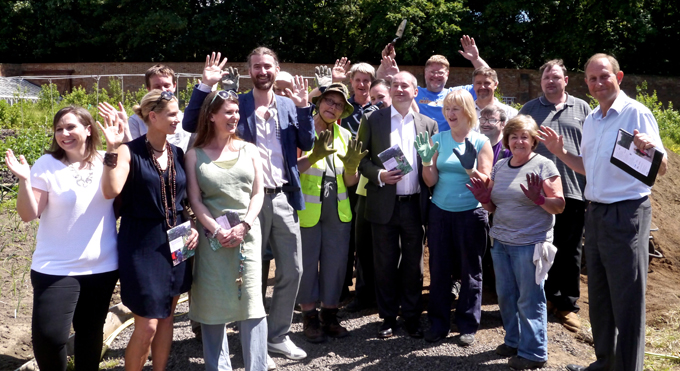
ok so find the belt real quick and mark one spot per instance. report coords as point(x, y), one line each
point(271, 191)
point(405, 198)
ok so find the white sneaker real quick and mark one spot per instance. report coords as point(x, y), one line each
point(270, 363)
point(287, 348)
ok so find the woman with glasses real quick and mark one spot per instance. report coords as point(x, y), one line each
point(149, 176)
point(458, 224)
point(325, 173)
point(523, 224)
point(225, 182)
point(74, 266)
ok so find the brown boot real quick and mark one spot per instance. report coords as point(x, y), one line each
point(569, 320)
point(312, 327)
point(330, 325)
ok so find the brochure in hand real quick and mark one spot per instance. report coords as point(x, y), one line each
point(229, 220)
point(178, 237)
point(644, 166)
point(393, 158)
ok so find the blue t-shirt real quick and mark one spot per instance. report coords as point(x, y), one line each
point(431, 104)
point(450, 192)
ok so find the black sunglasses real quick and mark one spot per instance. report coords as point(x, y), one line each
point(165, 95)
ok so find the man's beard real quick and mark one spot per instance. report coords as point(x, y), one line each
point(263, 85)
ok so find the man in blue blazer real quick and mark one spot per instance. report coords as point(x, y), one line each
point(277, 126)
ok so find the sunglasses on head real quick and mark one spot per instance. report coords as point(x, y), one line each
point(224, 94)
point(166, 95)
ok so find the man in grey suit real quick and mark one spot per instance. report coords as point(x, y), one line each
point(396, 206)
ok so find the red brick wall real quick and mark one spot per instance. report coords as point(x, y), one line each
point(524, 85)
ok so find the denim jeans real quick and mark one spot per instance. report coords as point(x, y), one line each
point(522, 302)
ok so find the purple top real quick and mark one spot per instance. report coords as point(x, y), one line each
point(497, 149)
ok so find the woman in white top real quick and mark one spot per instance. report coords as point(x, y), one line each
point(75, 263)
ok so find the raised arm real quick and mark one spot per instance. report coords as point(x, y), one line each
point(555, 144)
point(212, 74)
point(303, 113)
point(116, 172)
point(388, 63)
point(553, 201)
point(470, 52)
point(31, 201)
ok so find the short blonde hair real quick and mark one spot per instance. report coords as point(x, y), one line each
point(363, 68)
point(463, 99)
point(520, 123)
point(437, 58)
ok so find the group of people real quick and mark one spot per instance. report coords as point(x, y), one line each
point(308, 177)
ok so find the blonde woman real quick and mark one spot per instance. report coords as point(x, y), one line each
point(458, 225)
point(148, 173)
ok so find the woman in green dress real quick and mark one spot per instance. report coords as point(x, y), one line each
point(224, 177)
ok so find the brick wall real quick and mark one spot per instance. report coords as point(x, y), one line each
point(523, 85)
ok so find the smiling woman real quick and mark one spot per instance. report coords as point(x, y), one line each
point(62, 190)
point(148, 174)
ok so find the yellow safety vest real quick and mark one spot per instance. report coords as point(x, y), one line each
point(311, 184)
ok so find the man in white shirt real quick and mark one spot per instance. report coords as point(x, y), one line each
point(163, 78)
point(395, 205)
point(618, 217)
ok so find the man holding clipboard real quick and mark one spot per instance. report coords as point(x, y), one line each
point(618, 217)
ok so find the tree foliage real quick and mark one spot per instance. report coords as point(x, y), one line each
point(511, 33)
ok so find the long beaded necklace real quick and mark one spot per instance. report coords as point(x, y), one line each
point(171, 175)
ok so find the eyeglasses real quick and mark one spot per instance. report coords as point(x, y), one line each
point(165, 95)
point(485, 120)
point(225, 94)
point(334, 104)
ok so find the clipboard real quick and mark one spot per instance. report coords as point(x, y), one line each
point(628, 158)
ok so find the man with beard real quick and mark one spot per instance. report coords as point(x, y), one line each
point(277, 126)
point(565, 114)
point(485, 82)
point(430, 100)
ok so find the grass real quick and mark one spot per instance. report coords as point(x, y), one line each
point(16, 250)
point(663, 338)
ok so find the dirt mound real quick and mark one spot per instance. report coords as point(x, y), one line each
point(663, 285)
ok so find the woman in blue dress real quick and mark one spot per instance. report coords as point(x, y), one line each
point(148, 173)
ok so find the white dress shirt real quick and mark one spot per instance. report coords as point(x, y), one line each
point(403, 133)
point(269, 145)
point(605, 182)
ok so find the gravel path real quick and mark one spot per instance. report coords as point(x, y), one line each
point(362, 351)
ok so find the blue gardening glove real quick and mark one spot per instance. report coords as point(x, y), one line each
point(230, 79)
point(373, 107)
point(425, 150)
point(468, 158)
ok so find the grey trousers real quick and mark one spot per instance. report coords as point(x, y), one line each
point(253, 343)
point(281, 229)
point(616, 247)
point(325, 248)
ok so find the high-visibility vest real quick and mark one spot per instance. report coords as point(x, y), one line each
point(311, 182)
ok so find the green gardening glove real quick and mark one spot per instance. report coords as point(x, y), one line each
point(425, 150)
point(321, 147)
point(353, 156)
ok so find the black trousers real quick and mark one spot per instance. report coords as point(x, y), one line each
point(399, 271)
point(365, 287)
point(617, 257)
point(59, 301)
point(352, 194)
point(562, 287)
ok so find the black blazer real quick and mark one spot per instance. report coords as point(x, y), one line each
point(374, 134)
